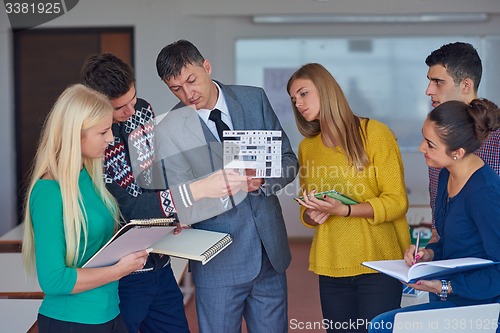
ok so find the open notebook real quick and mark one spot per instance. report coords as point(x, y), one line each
point(427, 270)
point(158, 234)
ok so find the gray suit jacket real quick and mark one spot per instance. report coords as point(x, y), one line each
point(191, 152)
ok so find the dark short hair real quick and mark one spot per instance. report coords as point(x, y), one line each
point(465, 126)
point(107, 74)
point(174, 57)
point(461, 61)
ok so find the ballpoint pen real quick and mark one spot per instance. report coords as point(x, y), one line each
point(416, 246)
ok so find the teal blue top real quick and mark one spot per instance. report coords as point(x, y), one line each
point(57, 280)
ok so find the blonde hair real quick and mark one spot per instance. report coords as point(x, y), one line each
point(337, 124)
point(59, 157)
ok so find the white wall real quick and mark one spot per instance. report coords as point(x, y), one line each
point(214, 25)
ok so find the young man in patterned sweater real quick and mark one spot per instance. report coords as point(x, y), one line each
point(150, 299)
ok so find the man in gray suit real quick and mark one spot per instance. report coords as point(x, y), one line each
point(247, 280)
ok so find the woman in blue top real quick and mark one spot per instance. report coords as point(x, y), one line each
point(69, 216)
point(467, 210)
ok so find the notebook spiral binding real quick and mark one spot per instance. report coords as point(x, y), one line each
point(213, 250)
point(160, 221)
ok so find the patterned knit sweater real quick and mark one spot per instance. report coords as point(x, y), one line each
point(341, 244)
point(128, 173)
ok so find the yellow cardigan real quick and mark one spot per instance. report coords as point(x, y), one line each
point(341, 244)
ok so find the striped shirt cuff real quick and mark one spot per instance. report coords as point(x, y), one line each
point(186, 195)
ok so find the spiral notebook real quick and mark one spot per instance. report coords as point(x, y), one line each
point(194, 244)
point(134, 236)
point(158, 234)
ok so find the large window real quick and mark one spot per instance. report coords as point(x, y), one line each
point(383, 78)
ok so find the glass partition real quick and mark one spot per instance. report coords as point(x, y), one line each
point(383, 78)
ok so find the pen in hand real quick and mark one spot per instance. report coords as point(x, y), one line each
point(416, 248)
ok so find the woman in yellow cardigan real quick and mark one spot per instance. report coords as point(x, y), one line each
point(360, 158)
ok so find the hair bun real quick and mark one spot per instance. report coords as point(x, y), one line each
point(486, 116)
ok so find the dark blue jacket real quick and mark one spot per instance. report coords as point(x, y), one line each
point(469, 226)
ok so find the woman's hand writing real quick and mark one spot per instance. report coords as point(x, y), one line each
point(421, 255)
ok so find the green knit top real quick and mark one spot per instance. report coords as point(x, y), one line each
point(95, 306)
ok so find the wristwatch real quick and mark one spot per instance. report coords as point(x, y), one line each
point(445, 288)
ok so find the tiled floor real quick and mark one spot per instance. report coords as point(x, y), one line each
point(303, 294)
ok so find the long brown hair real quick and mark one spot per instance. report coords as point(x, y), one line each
point(337, 124)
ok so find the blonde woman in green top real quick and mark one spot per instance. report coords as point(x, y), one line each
point(360, 158)
point(69, 215)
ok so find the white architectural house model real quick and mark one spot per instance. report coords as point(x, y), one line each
point(259, 150)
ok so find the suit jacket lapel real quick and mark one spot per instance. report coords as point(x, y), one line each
point(213, 144)
point(235, 109)
point(193, 125)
